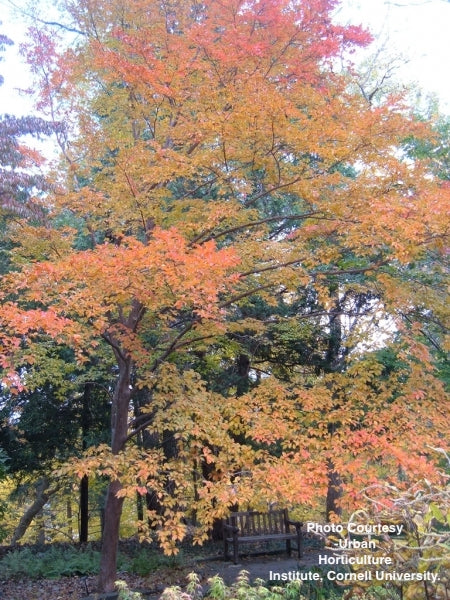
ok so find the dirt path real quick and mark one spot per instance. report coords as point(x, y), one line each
point(262, 567)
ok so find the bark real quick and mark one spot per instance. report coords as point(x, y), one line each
point(84, 510)
point(334, 491)
point(40, 538)
point(110, 538)
point(69, 513)
point(43, 494)
point(166, 441)
point(139, 507)
point(150, 440)
point(137, 404)
point(334, 363)
point(84, 483)
point(113, 505)
point(119, 434)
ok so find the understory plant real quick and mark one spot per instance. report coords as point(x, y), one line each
point(125, 593)
point(243, 589)
point(53, 563)
point(424, 511)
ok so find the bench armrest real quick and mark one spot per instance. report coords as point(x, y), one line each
point(231, 528)
point(297, 524)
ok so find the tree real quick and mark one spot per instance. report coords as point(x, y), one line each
point(18, 182)
point(21, 178)
point(23, 187)
point(60, 416)
point(218, 161)
point(4, 458)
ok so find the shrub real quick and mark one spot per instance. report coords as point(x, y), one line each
point(241, 589)
point(53, 563)
point(424, 508)
point(125, 593)
point(146, 562)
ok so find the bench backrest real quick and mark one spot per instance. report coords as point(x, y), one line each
point(255, 523)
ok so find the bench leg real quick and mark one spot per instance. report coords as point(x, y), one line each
point(288, 547)
point(235, 551)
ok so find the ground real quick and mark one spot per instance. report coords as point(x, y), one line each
point(151, 586)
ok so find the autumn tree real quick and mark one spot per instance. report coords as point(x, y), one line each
point(217, 160)
point(20, 176)
point(28, 431)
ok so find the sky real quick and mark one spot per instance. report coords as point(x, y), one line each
point(415, 29)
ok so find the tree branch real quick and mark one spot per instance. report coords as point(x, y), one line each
point(25, 13)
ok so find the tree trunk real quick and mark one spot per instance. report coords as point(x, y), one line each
point(110, 538)
point(140, 444)
point(86, 424)
point(139, 507)
point(84, 510)
point(42, 497)
point(334, 363)
point(334, 491)
point(113, 505)
point(40, 538)
point(119, 430)
point(69, 513)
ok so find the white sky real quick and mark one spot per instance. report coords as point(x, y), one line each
point(418, 29)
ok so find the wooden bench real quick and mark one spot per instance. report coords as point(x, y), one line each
point(252, 527)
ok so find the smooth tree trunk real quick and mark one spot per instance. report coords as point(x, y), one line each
point(138, 402)
point(83, 527)
point(139, 507)
point(334, 363)
point(83, 532)
point(113, 504)
point(43, 494)
point(334, 492)
point(110, 539)
point(69, 514)
point(119, 431)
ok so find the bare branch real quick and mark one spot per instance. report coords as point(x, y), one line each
point(34, 18)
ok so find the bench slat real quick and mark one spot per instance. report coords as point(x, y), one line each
point(275, 536)
point(253, 526)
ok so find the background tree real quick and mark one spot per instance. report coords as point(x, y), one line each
point(39, 424)
point(4, 458)
point(20, 176)
point(60, 416)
